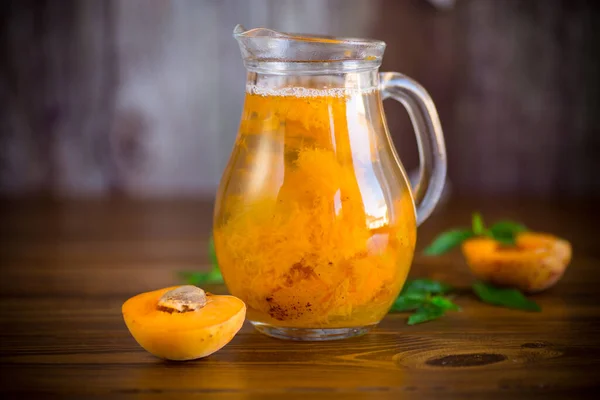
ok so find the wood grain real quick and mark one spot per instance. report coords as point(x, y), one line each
point(143, 97)
point(68, 266)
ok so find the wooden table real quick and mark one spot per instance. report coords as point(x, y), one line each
point(68, 267)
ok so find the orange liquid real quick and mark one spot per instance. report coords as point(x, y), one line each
point(312, 229)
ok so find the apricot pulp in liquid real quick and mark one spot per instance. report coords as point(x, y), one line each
point(313, 229)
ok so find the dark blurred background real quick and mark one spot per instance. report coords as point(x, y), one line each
point(142, 98)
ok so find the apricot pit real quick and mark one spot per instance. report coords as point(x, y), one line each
point(183, 322)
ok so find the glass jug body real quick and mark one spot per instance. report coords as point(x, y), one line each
point(315, 223)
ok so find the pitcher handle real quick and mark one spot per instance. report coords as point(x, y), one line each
point(430, 139)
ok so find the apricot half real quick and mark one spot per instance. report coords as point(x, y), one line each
point(535, 263)
point(183, 322)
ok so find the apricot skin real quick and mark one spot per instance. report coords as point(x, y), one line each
point(183, 336)
point(536, 263)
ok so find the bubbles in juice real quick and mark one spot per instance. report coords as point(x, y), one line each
point(314, 226)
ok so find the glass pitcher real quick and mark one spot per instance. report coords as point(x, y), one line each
point(315, 220)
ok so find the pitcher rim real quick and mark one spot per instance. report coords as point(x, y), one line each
point(240, 32)
point(266, 50)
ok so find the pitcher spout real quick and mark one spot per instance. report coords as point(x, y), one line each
point(239, 31)
point(262, 47)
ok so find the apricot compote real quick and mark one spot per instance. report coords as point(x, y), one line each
point(308, 230)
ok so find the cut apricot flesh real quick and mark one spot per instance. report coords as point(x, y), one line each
point(535, 263)
point(183, 327)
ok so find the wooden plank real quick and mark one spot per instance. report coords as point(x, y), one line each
point(62, 334)
point(144, 97)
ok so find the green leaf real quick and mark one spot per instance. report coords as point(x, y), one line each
point(444, 303)
point(417, 295)
point(426, 286)
point(199, 278)
point(424, 314)
point(408, 302)
point(212, 277)
point(447, 241)
point(506, 231)
point(510, 298)
point(505, 240)
point(477, 224)
point(508, 227)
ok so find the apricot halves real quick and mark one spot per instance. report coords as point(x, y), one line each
point(537, 261)
point(183, 323)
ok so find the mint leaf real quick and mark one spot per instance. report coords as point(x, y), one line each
point(477, 224)
point(409, 302)
point(212, 277)
point(444, 303)
point(505, 240)
point(506, 231)
point(510, 298)
point(424, 296)
point(447, 241)
point(199, 278)
point(425, 285)
point(425, 313)
point(508, 227)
